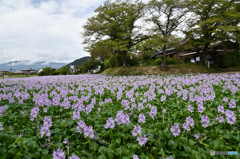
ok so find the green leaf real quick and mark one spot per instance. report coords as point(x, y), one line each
point(172, 145)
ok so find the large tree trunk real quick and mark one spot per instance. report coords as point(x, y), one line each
point(124, 58)
point(205, 53)
point(163, 64)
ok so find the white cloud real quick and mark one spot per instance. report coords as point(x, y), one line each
point(43, 30)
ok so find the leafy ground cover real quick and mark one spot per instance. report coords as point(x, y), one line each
point(97, 116)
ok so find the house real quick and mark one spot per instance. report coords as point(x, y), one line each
point(3, 72)
point(28, 71)
point(196, 53)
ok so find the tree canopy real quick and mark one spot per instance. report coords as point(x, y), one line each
point(121, 27)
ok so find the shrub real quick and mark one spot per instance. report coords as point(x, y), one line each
point(158, 61)
point(187, 59)
point(172, 61)
point(227, 59)
point(148, 63)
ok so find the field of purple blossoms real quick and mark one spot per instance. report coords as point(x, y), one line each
point(96, 116)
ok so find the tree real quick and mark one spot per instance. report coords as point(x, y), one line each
point(48, 71)
point(166, 16)
point(64, 70)
point(116, 22)
point(213, 21)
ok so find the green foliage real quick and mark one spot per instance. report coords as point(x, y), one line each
point(187, 59)
point(48, 71)
point(116, 20)
point(228, 59)
point(89, 65)
point(158, 61)
point(172, 60)
point(64, 70)
point(148, 62)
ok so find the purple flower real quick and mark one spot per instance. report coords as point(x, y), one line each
point(45, 110)
point(137, 130)
point(190, 121)
point(141, 118)
point(197, 136)
point(80, 127)
point(142, 140)
point(88, 131)
point(175, 130)
point(186, 127)
point(153, 112)
point(232, 103)
point(205, 121)
point(231, 119)
point(34, 113)
point(45, 130)
point(110, 123)
point(200, 108)
point(220, 119)
point(66, 141)
point(221, 109)
point(225, 99)
point(163, 98)
point(229, 113)
point(74, 157)
point(190, 108)
point(47, 121)
point(59, 154)
point(1, 126)
point(76, 115)
point(135, 157)
point(164, 111)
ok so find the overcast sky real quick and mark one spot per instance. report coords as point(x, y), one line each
point(43, 30)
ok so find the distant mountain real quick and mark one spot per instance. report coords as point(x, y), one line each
point(79, 62)
point(19, 65)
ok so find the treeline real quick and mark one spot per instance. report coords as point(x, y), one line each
point(125, 33)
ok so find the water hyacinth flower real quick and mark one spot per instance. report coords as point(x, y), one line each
point(163, 98)
point(225, 99)
point(164, 111)
point(200, 108)
point(230, 116)
point(205, 121)
point(220, 119)
point(76, 115)
point(141, 118)
point(34, 113)
point(142, 140)
point(110, 123)
point(190, 121)
point(80, 127)
point(153, 112)
point(190, 108)
point(45, 110)
point(135, 157)
point(175, 130)
point(45, 130)
point(66, 141)
point(1, 126)
point(47, 121)
point(137, 130)
point(232, 103)
point(122, 118)
point(88, 131)
point(197, 136)
point(221, 109)
point(186, 127)
point(59, 154)
point(74, 157)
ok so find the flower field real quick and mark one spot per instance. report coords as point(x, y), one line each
point(96, 116)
